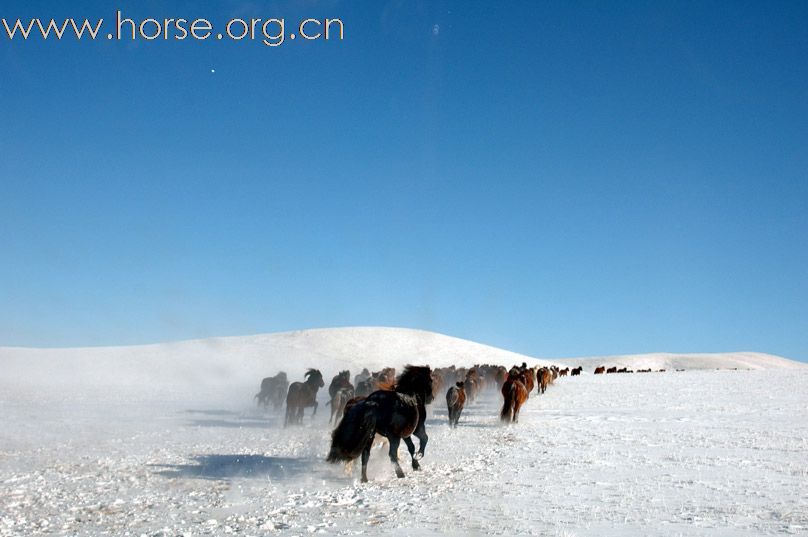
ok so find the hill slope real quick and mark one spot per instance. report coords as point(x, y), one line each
point(244, 360)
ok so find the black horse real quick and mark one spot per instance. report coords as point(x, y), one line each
point(273, 389)
point(302, 395)
point(395, 414)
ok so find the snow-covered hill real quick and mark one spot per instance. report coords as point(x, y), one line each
point(229, 361)
point(218, 363)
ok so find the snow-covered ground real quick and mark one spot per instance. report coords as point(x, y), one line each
point(132, 441)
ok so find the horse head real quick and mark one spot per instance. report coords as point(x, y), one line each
point(315, 377)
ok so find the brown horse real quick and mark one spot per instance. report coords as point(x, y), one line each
point(514, 394)
point(395, 414)
point(600, 370)
point(340, 382)
point(302, 395)
point(576, 371)
point(272, 391)
point(529, 379)
point(340, 402)
point(544, 377)
point(455, 399)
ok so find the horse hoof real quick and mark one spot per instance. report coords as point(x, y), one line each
point(416, 466)
point(400, 475)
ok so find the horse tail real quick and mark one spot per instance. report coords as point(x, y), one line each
point(355, 431)
point(510, 398)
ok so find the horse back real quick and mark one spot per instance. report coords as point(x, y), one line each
point(398, 414)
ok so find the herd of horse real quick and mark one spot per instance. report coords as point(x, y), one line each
point(395, 406)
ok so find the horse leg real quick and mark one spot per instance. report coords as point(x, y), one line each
point(411, 449)
point(420, 433)
point(289, 415)
point(394, 443)
point(315, 410)
point(365, 457)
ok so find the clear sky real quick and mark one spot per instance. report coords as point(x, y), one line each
point(555, 178)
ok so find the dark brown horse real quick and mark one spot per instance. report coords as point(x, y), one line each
point(529, 379)
point(302, 395)
point(455, 399)
point(273, 389)
point(395, 414)
point(514, 393)
point(576, 371)
point(600, 370)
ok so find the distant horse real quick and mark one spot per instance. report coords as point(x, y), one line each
point(514, 393)
point(576, 371)
point(339, 403)
point(364, 375)
point(611, 370)
point(340, 382)
point(375, 381)
point(563, 372)
point(455, 399)
point(600, 370)
point(437, 382)
point(500, 375)
point(529, 377)
point(365, 387)
point(302, 395)
point(272, 391)
point(544, 377)
point(471, 384)
point(395, 414)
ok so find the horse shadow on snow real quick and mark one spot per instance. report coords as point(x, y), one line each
point(220, 467)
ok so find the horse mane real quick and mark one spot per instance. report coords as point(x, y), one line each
point(414, 379)
point(311, 371)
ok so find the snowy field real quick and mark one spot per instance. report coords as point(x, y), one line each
point(700, 452)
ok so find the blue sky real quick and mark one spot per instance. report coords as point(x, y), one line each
point(555, 178)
